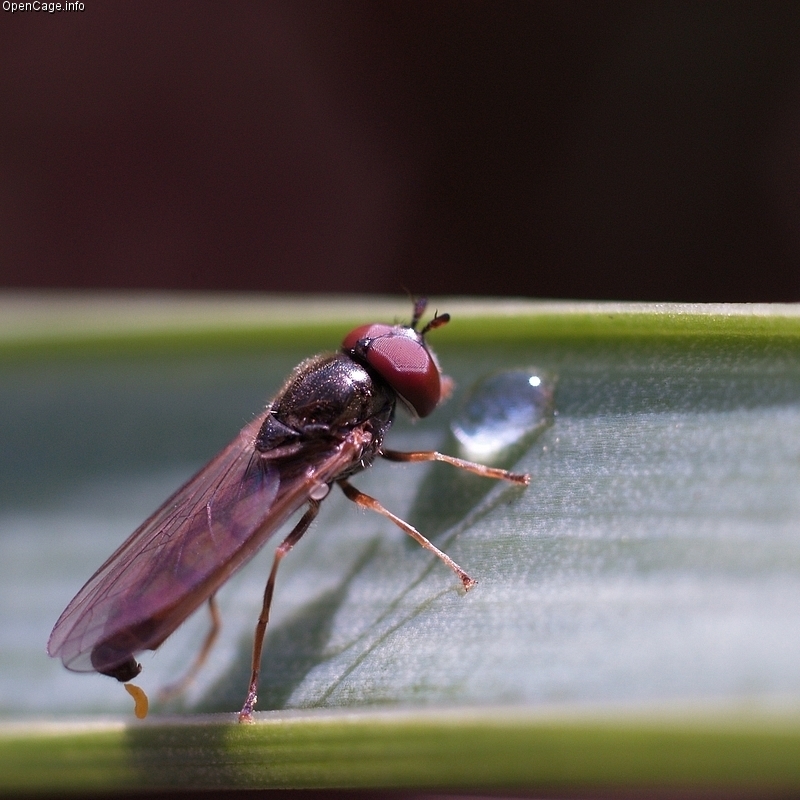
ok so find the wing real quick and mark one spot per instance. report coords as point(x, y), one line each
point(190, 546)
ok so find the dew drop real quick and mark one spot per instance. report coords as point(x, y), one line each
point(504, 412)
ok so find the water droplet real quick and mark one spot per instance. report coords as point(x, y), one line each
point(503, 413)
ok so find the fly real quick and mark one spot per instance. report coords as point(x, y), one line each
point(326, 423)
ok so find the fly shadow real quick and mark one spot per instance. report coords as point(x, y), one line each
point(291, 650)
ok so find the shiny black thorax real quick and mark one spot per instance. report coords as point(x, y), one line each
point(324, 399)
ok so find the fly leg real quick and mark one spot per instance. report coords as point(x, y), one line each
point(365, 501)
point(174, 689)
point(246, 714)
point(469, 466)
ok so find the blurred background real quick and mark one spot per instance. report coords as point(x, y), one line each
point(615, 150)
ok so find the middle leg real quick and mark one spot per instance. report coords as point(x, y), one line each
point(365, 501)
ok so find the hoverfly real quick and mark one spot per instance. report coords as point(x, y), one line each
point(326, 424)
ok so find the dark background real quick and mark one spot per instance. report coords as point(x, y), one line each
point(547, 149)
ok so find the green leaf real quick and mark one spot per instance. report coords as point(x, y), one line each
point(637, 615)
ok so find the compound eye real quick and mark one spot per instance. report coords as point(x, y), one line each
point(367, 332)
point(400, 357)
point(407, 366)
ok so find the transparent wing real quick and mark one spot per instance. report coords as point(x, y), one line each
point(191, 545)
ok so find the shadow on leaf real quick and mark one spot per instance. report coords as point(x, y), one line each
point(291, 651)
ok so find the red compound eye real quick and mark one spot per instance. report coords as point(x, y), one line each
point(372, 331)
point(400, 357)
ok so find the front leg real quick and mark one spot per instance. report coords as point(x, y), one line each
point(521, 479)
